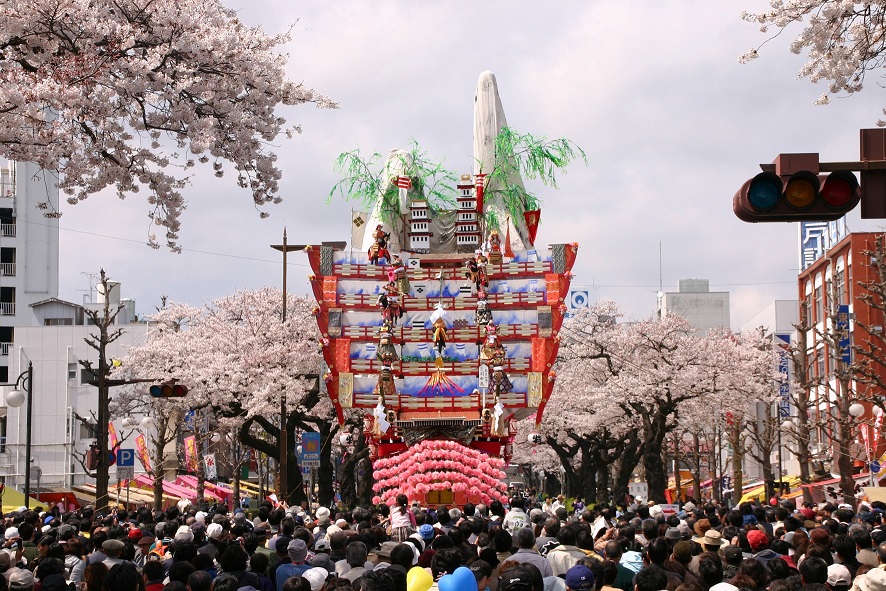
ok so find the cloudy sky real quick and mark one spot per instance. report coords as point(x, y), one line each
point(651, 89)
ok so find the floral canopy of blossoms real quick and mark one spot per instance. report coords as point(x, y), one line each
point(439, 465)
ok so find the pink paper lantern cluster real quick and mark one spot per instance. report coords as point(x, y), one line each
point(435, 464)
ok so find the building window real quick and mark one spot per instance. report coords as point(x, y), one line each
point(88, 430)
point(840, 286)
point(58, 322)
point(86, 376)
point(819, 364)
point(72, 370)
point(3, 425)
point(819, 304)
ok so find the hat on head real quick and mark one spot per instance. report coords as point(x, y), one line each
point(323, 514)
point(342, 523)
point(332, 529)
point(655, 511)
point(724, 587)
point(732, 554)
point(690, 506)
point(873, 580)
point(839, 575)
point(701, 526)
point(711, 538)
point(214, 531)
point(316, 577)
point(673, 534)
point(21, 579)
point(481, 569)
point(200, 517)
point(820, 536)
point(260, 532)
point(321, 545)
point(519, 579)
point(297, 550)
point(685, 532)
point(135, 534)
point(184, 534)
point(757, 540)
point(11, 532)
point(807, 513)
point(146, 540)
point(426, 532)
point(385, 550)
point(112, 545)
point(580, 578)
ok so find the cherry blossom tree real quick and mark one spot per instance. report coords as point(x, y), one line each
point(132, 95)
point(238, 357)
point(164, 356)
point(842, 40)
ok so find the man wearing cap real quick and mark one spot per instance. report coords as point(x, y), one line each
point(297, 551)
point(112, 548)
point(316, 576)
point(515, 579)
point(482, 571)
point(21, 580)
point(579, 578)
point(261, 535)
point(759, 543)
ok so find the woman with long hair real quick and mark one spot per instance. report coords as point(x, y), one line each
point(402, 520)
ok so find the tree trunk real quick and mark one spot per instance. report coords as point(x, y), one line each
point(737, 464)
point(696, 467)
point(844, 450)
point(325, 489)
point(602, 483)
point(584, 484)
point(158, 467)
point(629, 459)
point(364, 482)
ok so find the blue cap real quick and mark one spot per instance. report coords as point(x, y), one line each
point(426, 532)
point(580, 578)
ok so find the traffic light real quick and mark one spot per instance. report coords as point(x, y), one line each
point(168, 390)
point(801, 196)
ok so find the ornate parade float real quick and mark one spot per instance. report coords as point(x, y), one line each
point(441, 318)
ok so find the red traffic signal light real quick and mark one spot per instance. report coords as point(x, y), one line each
point(168, 390)
point(805, 196)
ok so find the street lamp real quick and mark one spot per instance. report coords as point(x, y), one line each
point(22, 393)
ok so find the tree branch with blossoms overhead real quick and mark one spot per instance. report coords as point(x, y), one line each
point(129, 96)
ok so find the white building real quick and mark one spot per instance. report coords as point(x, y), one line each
point(696, 303)
point(778, 320)
point(63, 422)
point(28, 249)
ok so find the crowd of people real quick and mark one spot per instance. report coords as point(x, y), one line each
point(524, 545)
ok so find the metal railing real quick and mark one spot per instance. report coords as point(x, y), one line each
point(7, 308)
point(7, 230)
point(7, 269)
point(5, 348)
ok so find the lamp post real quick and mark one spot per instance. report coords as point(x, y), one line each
point(16, 398)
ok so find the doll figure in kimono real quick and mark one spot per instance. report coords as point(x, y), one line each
point(439, 336)
point(494, 248)
point(483, 316)
point(472, 273)
point(482, 276)
point(394, 309)
point(386, 352)
point(399, 272)
point(379, 250)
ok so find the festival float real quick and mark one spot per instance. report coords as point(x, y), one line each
point(440, 319)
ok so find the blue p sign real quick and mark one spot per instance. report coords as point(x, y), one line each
point(125, 457)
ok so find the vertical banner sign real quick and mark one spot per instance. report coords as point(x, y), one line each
point(843, 328)
point(209, 467)
point(141, 449)
point(113, 439)
point(783, 341)
point(190, 453)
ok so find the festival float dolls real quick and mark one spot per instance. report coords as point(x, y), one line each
point(472, 273)
point(389, 301)
point(494, 355)
point(386, 352)
point(399, 272)
point(482, 276)
point(379, 250)
point(483, 316)
point(439, 336)
point(494, 248)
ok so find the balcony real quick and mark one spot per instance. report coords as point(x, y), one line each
point(5, 348)
point(7, 230)
point(7, 308)
point(7, 269)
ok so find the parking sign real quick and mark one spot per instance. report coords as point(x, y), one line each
point(125, 457)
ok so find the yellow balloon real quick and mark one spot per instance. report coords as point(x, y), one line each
point(418, 579)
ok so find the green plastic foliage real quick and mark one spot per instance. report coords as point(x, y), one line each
point(530, 158)
point(363, 180)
